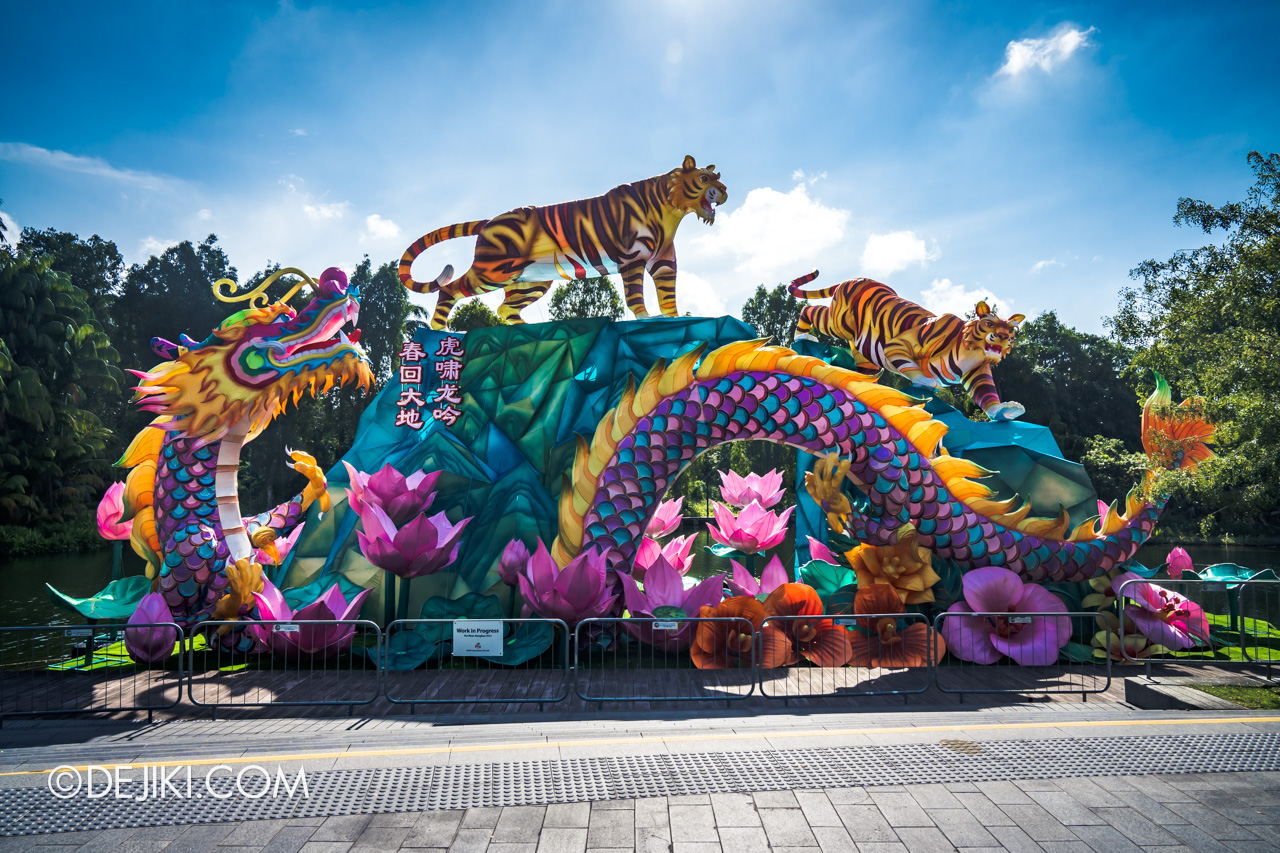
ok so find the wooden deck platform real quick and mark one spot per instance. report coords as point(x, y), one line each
point(499, 691)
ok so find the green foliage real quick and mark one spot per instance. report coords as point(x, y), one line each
point(1209, 321)
point(586, 297)
point(1070, 381)
point(73, 536)
point(473, 314)
point(55, 360)
point(773, 314)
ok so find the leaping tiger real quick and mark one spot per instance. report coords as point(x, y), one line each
point(886, 331)
point(627, 230)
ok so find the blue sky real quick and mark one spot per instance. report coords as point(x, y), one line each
point(1032, 152)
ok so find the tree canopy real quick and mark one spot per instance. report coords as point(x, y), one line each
point(586, 297)
point(1209, 320)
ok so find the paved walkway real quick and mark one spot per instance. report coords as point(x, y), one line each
point(1085, 810)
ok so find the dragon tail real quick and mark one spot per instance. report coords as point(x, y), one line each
point(795, 288)
point(449, 232)
point(1175, 437)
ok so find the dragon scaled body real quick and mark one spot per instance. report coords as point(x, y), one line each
point(893, 448)
point(211, 398)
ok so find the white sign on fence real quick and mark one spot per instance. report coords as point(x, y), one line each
point(477, 637)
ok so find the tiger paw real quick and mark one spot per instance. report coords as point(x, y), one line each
point(1005, 411)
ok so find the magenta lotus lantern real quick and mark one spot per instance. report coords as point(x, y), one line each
point(753, 530)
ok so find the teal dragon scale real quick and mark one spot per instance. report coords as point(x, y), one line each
point(890, 449)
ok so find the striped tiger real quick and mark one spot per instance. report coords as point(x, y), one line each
point(886, 331)
point(627, 230)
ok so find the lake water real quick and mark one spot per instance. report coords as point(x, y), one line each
point(25, 601)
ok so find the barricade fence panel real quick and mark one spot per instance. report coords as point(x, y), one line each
point(1026, 653)
point(57, 669)
point(1190, 621)
point(1260, 621)
point(477, 661)
point(239, 664)
point(665, 660)
point(801, 656)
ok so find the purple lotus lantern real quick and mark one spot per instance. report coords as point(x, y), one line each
point(150, 644)
point(1179, 563)
point(317, 640)
point(744, 583)
point(398, 536)
point(664, 597)
point(1163, 616)
point(515, 558)
point(400, 497)
point(581, 590)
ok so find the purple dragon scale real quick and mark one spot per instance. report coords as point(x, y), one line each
point(899, 483)
point(193, 551)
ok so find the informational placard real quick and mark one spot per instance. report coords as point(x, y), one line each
point(476, 637)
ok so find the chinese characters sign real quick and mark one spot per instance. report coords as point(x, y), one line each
point(445, 366)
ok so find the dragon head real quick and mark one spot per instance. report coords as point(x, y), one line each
point(256, 361)
point(990, 334)
point(696, 190)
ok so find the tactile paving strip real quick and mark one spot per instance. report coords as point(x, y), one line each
point(32, 811)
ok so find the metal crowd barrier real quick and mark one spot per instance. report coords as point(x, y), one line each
point(1221, 602)
point(884, 673)
point(458, 675)
point(649, 660)
point(1260, 622)
point(1005, 675)
point(312, 662)
point(63, 669)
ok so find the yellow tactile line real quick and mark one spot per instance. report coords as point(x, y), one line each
point(505, 747)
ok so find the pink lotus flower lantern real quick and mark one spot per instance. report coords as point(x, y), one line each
point(755, 529)
point(1035, 642)
point(581, 590)
point(424, 546)
point(515, 558)
point(322, 640)
point(400, 497)
point(1179, 563)
point(1163, 616)
point(678, 552)
point(666, 518)
point(745, 583)
point(150, 644)
point(664, 597)
point(110, 510)
point(739, 491)
point(819, 551)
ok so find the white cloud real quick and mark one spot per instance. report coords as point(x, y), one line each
point(154, 246)
point(326, 211)
point(945, 297)
point(773, 234)
point(1044, 53)
point(298, 131)
point(12, 230)
point(377, 228)
point(889, 253)
point(1040, 266)
point(800, 176)
point(45, 158)
point(204, 214)
point(696, 295)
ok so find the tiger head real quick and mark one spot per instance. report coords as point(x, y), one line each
point(691, 189)
point(988, 333)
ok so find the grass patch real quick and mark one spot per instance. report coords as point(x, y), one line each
point(1258, 698)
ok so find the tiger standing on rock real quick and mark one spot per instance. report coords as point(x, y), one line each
point(627, 230)
point(888, 332)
